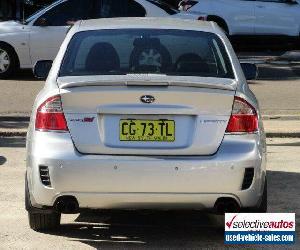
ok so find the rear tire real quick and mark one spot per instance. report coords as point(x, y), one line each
point(9, 63)
point(40, 221)
point(44, 222)
point(263, 206)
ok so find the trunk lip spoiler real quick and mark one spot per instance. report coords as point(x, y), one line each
point(140, 109)
point(195, 82)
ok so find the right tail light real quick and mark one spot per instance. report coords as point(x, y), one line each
point(243, 119)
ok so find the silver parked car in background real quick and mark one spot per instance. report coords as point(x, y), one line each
point(40, 35)
point(144, 113)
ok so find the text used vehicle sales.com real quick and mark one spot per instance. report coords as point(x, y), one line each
point(269, 228)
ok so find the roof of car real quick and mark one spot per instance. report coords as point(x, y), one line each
point(146, 22)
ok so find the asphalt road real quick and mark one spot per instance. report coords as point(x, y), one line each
point(160, 230)
point(277, 90)
point(278, 97)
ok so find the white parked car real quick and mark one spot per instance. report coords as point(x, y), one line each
point(40, 36)
point(144, 114)
point(248, 17)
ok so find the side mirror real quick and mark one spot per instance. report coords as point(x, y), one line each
point(42, 22)
point(42, 68)
point(250, 71)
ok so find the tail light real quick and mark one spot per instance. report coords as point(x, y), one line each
point(243, 118)
point(50, 116)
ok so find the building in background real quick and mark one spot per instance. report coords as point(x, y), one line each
point(15, 9)
point(19, 9)
point(9, 9)
point(173, 2)
point(31, 6)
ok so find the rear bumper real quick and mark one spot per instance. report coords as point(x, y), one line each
point(140, 182)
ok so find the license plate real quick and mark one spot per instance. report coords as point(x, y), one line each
point(147, 130)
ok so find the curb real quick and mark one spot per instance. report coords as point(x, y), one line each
point(273, 134)
point(281, 117)
point(15, 118)
point(265, 117)
point(6, 134)
point(282, 135)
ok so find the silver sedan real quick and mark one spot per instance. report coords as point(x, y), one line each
point(144, 113)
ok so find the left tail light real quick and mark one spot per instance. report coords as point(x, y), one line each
point(50, 116)
point(244, 117)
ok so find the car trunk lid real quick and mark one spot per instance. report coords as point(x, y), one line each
point(196, 114)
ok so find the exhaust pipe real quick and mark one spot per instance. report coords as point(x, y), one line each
point(66, 205)
point(226, 205)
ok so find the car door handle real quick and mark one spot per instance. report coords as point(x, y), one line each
point(260, 6)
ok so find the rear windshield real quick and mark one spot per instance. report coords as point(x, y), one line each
point(147, 51)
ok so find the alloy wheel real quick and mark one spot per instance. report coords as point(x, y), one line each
point(4, 61)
